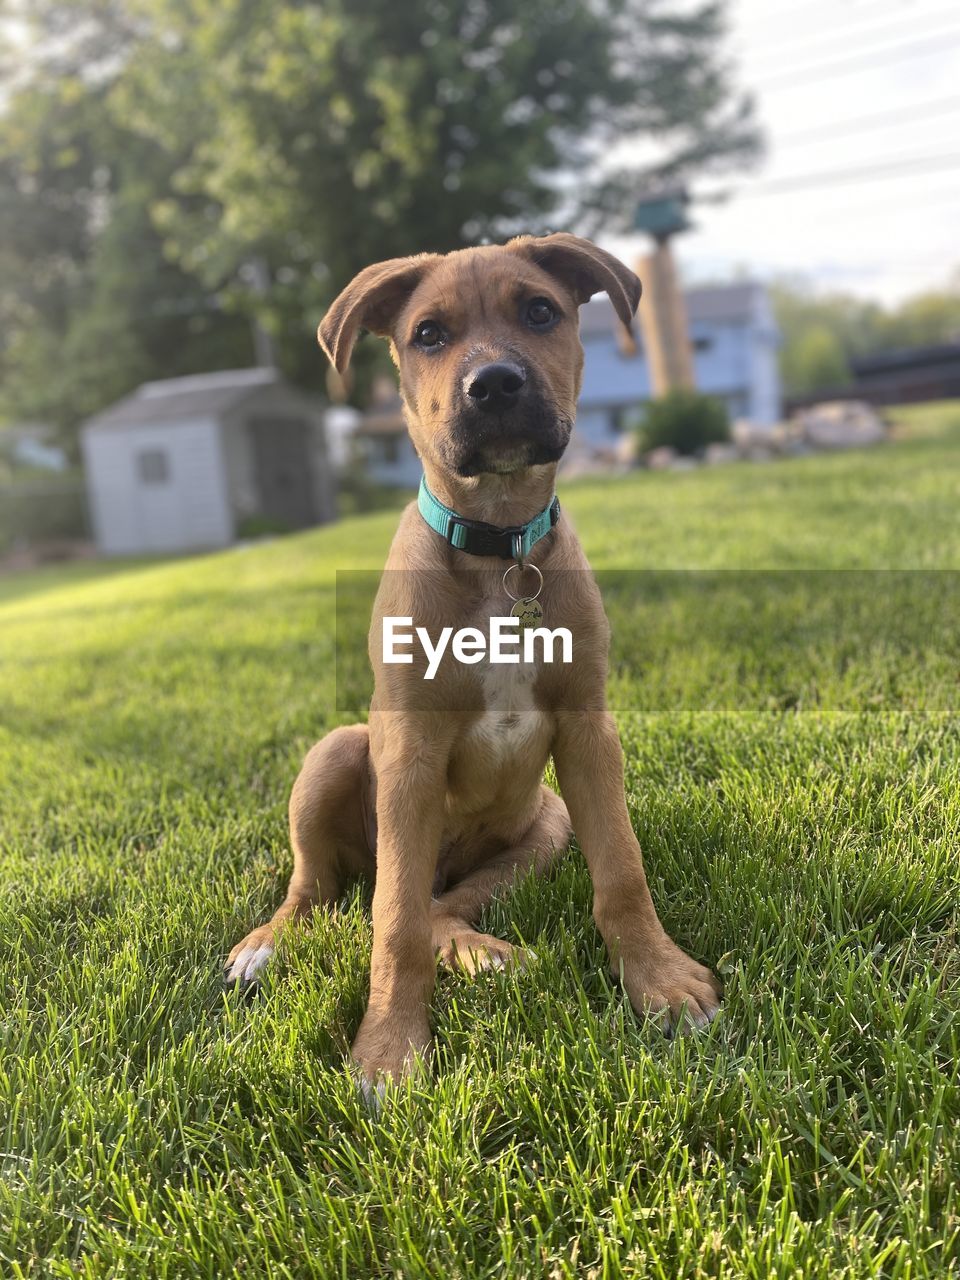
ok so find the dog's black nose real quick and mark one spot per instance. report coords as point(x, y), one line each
point(495, 386)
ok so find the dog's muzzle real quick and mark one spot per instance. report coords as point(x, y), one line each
point(504, 422)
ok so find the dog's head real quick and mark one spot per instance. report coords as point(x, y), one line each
point(487, 343)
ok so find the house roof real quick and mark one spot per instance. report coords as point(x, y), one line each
point(945, 353)
point(202, 395)
point(728, 303)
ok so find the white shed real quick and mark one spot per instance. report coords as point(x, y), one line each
point(196, 462)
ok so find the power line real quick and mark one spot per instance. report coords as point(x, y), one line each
point(818, 71)
point(875, 212)
point(842, 20)
point(847, 177)
point(866, 124)
point(779, 15)
point(894, 267)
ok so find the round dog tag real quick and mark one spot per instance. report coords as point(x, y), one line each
point(529, 610)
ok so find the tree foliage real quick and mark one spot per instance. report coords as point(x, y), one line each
point(822, 333)
point(815, 360)
point(173, 168)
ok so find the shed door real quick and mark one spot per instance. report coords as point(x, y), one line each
point(178, 486)
point(158, 499)
point(281, 448)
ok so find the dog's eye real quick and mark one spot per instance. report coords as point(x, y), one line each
point(540, 312)
point(429, 334)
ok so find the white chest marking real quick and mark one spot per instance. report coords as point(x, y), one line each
point(511, 719)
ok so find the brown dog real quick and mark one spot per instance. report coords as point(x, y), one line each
point(441, 795)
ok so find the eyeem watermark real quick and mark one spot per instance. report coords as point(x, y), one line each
point(504, 643)
point(746, 642)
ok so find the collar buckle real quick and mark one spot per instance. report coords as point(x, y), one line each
point(457, 532)
point(512, 542)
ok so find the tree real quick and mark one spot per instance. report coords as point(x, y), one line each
point(90, 304)
point(314, 138)
point(927, 319)
point(815, 361)
point(822, 333)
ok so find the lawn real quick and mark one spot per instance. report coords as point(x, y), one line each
point(797, 796)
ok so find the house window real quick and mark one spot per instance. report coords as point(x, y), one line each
point(703, 343)
point(153, 466)
point(389, 449)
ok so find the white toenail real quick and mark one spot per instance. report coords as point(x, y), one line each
point(373, 1094)
point(237, 967)
point(257, 961)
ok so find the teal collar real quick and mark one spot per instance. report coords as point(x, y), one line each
point(510, 542)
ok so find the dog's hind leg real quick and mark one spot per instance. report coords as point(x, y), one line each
point(329, 833)
point(455, 912)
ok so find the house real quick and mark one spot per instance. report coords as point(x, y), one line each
point(735, 350)
point(381, 441)
point(196, 462)
point(735, 343)
point(34, 445)
point(908, 375)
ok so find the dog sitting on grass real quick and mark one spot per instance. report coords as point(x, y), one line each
point(440, 796)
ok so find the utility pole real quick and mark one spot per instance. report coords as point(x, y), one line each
point(663, 315)
point(264, 351)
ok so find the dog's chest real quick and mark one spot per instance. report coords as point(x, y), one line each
point(506, 745)
point(511, 723)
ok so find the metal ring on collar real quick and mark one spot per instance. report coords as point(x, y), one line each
point(509, 569)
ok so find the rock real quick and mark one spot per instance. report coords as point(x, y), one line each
point(839, 424)
point(716, 455)
point(625, 450)
point(662, 458)
point(747, 435)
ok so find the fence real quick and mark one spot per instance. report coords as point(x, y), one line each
point(35, 512)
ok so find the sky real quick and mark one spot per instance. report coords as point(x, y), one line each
point(840, 86)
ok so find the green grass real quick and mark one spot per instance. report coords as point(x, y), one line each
point(803, 839)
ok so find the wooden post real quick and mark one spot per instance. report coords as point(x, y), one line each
point(663, 320)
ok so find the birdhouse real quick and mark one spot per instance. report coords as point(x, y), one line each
point(663, 215)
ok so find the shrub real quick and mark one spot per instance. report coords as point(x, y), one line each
point(685, 420)
point(260, 526)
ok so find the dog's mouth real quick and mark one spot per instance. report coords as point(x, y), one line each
point(500, 445)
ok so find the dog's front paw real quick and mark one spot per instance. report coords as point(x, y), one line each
point(387, 1049)
point(664, 982)
point(466, 951)
point(248, 958)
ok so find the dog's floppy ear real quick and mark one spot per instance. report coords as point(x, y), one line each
point(370, 301)
point(584, 268)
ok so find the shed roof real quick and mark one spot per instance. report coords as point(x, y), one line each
point(727, 303)
point(201, 395)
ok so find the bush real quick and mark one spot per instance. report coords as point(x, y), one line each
point(259, 526)
point(684, 420)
